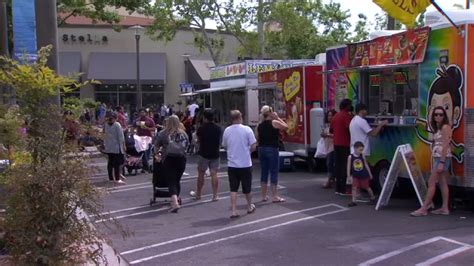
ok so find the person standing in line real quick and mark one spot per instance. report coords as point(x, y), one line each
point(145, 128)
point(209, 137)
point(361, 130)
point(268, 132)
point(358, 169)
point(170, 146)
point(342, 141)
point(330, 157)
point(114, 143)
point(192, 109)
point(441, 158)
point(239, 141)
point(101, 113)
point(121, 117)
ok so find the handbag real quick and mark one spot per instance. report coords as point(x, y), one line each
point(321, 149)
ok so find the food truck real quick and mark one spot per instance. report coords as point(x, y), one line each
point(293, 93)
point(234, 86)
point(402, 77)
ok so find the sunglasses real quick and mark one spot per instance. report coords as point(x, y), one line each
point(439, 114)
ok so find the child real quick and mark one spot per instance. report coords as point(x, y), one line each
point(359, 171)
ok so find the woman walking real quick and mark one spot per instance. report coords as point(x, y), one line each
point(268, 132)
point(330, 156)
point(171, 145)
point(441, 153)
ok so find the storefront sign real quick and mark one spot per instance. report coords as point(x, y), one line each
point(254, 67)
point(227, 71)
point(267, 77)
point(186, 87)
point(24, 30)
point(85, 39)
point(407, 47)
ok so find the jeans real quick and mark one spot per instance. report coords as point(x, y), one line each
point(341, 154)
point(269, 163)
point(331, 164)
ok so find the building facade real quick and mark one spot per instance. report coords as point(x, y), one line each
point(106, 55)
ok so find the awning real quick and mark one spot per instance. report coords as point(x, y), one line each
point(199, 72)
point(121, 68)
point(69, 63)
point(365, 68)
point(216, 89)
point(189, 94)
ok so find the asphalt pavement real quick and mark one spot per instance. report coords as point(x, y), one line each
point(313, 227)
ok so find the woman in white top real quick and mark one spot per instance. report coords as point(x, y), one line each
point(441, 153)
point(330, 156)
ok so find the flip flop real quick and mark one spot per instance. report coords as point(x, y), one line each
point(234, 216)
point(440, 212)
point(279, 200)
point(252, 209)
point(418, 214)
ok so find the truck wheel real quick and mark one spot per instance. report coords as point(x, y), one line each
point(380, 173)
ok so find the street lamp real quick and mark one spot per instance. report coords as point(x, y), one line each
point(138, 29)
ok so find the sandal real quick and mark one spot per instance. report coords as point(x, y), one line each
point(215, 198)
point(419, 213)
point(252, 209)
point(440, 212)
point(279, 200)
point(265, 199)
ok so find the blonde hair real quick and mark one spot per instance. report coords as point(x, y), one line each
point(173, 125)
point(265, 111)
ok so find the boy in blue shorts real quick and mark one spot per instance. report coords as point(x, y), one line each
point(359, 171)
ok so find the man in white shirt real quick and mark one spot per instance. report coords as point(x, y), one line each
point(361, 130)
point(239, 141)
point(192, 109)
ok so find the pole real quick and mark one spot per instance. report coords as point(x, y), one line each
point(261, 33)
point(3, 42)
point(47, 33)
point(468, 4)
point(139, 87)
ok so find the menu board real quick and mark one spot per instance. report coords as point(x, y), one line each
point(407, 47)
point(404, 159)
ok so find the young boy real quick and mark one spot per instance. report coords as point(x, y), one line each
point(359, 171)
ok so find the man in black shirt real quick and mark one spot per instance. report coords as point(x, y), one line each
point(209, 137)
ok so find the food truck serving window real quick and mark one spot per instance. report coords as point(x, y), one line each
point(391, 91)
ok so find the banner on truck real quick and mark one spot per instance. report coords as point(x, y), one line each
point(405, 11)
point(408, 47)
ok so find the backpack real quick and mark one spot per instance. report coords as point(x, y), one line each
point(177, 145)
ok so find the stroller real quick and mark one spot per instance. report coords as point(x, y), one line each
point(160, 185)
point(136, 147)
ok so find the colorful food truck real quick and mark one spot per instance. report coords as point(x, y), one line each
point(294, 93)
point(402, 77)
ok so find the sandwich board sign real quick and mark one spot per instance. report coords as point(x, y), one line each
point(403, 159)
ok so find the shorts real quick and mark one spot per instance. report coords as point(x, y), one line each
point(211, 164)
point(363, 183)
point(240, 175)
point(447, 163)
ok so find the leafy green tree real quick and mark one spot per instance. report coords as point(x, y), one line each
point(361, 29)
point(97, 10)
point(381, 21)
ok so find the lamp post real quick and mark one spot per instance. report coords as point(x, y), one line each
point(138, 29)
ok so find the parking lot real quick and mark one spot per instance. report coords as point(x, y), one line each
point(313, 227)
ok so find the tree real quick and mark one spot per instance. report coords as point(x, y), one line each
point(196, 15)
point(97, 10)
point(381, 21)
point(361, 30)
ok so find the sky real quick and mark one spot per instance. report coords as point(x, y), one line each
point(368, 7)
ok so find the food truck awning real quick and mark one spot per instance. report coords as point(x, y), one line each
point(226, 88)
point(189, 94)
point(362, 68)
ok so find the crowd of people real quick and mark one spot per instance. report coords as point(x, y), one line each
point(169, 137)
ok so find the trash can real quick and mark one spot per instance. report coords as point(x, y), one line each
point(287, 160)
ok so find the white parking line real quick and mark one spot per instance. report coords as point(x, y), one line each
point(444, 256)
point(228, 228)
point(417, 245)
point(341, 209)
point(166, 208)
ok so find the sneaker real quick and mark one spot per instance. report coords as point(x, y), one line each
point(352, 204)
point(120, 182)
point(185, 174)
